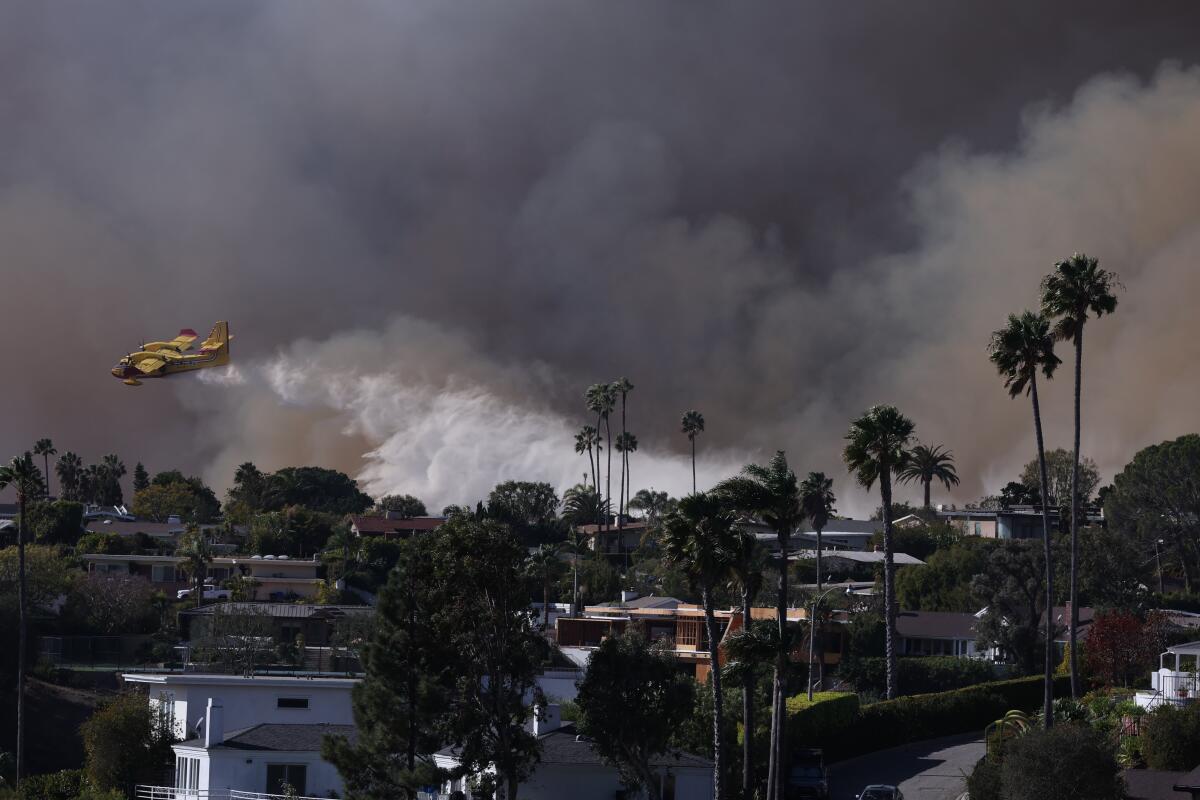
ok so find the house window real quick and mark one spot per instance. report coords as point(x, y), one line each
point(162, 573)
point(687, 632)
point(978, 528)
point(286, 779)
point(166, 711)
point(187, 773)
point(292, 702)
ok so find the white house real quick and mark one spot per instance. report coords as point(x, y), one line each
point(268, 758)
point(181, 699)
point(1177, 679)
point(569, 767)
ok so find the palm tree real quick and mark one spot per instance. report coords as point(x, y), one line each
point(698, 538)
point(816, 498)
point(23, 476)
point(69, 469)
point(113, 469)
point(693, 424)
point(929, 464)
point(1019, 349)
point(601, 400)
point(1076, 287)
point(746, 568)
point(875, 448)
point(585, 441)
point(581, 505)
point(545, 564)
point(772, 493)
point(626, 443)
point(45, 449)
point(197, 555)
point(622, 386)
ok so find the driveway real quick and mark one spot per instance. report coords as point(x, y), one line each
point(935, 769)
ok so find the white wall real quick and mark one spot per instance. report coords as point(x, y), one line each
point(246, 770)
point(254, 701)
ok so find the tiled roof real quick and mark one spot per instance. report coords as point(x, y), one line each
point(628, 527)
point(645, 602)
point(281, 737)
point(381, 525)
point(936, 625)
point(280, 610)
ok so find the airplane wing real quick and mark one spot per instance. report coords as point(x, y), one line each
point(185, 338)
point(150, 365)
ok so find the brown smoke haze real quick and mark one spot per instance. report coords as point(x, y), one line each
point(432, 225)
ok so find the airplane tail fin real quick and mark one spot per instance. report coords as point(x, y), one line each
point(218, 339)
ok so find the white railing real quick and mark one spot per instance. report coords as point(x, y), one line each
point(1176, 685)
point(174, 793)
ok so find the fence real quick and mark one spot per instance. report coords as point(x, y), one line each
point(115, 652)
point(173, 793)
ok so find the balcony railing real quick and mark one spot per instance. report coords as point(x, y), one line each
point(1176, 685)
point(173, 793)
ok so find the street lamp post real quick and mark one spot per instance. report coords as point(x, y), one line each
point(812, 635)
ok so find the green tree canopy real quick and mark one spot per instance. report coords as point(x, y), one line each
point(944, 581)
point(126, 744)
point(315, 488)
point(1059, 465)
point(171, 494)
point(403, 504)
point(632, 699)
point(1155, 497)
point(1011, 588)
point(60, 522)
point(528, 508)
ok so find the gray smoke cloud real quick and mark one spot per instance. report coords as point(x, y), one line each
point(432, 225)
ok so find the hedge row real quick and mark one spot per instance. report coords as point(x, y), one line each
point(927, 716)
point(810, 724)
point(918, 675)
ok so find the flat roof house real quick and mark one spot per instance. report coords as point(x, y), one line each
point(277, 577)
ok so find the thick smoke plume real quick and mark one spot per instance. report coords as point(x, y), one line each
point(431, 226)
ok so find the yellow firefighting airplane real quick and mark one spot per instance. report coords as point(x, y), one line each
point(159, 359)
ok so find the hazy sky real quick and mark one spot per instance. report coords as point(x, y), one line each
point(432, 225)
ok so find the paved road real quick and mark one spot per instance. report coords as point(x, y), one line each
point(931, 770)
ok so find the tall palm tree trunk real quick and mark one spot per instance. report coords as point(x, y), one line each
point(889, 581)
point(1074, 622)
point(927, 481)
point(46, 466)
point(22, 630)
point(1048, 689)
point(608, 477)
point(575, 574)
point(747, 709)
point(779, 681)
point(710, 624)
point(819, 578)
point(693, 464)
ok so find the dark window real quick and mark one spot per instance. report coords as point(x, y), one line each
point(292, 702)
point(286, 778)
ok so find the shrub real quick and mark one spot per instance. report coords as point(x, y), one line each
point(918, 675)
point(1171, 738)
point(984, 781)
point(65, 785)
point(1067, 762)
point(125, 744)
point(926, 716)
point(829, 713)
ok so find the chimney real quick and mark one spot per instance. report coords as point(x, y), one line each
point(214, 723)
point(628, 595)
point(546, 718)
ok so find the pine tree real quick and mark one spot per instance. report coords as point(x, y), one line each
point(141, 478)
point(398, 707)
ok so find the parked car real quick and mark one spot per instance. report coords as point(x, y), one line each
point(210, 593)
point(880, 791)
point(808, 778)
